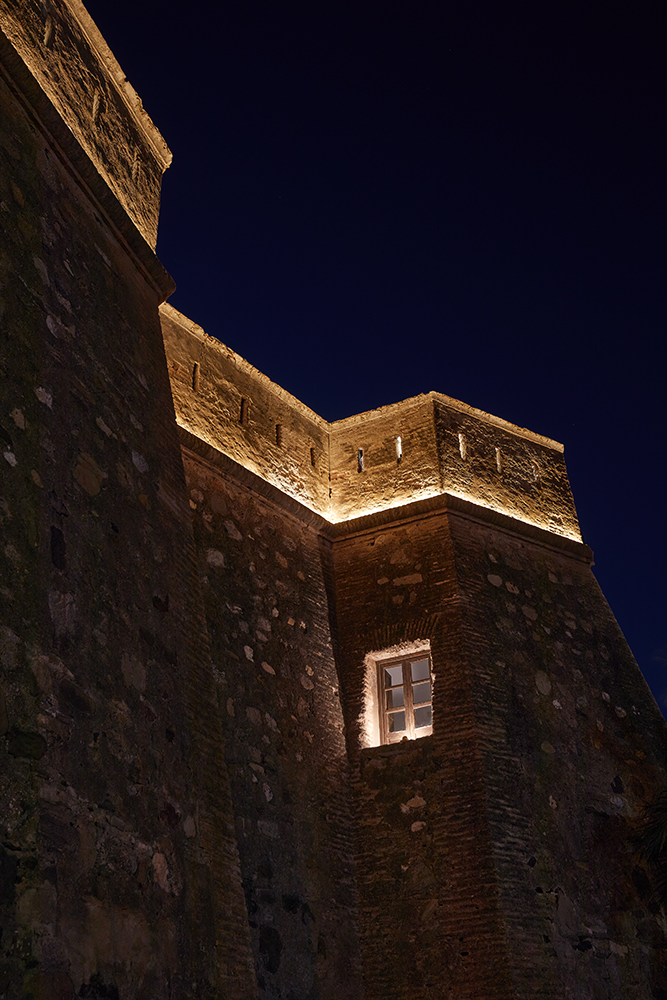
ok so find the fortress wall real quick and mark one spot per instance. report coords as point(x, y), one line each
point(118, 865)
point(386, 480)
point(186, 710)
point(431, 925)
point(573, 747)
point(74, 67)
point(398, 454)
point(505, 468)
point(277, 687)
point(294, 458)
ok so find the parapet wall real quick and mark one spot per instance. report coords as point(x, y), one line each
point(226, 402)
point(384, 458)
point(66, 54)
point(421, 447)
point(503, 467)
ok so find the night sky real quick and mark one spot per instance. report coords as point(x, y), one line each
point(371, 200)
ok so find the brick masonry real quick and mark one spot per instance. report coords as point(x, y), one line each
point(196, 572)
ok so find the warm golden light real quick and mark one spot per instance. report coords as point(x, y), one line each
point(336, 512)
point(424, 447)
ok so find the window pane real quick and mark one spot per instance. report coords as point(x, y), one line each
point(422, 717)
point(393, 675)
point(396, 722)
point(395, 698)
point(421, 693)
point(420, 670)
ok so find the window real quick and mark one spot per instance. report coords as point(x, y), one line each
point(397, 695)
point(405, 698)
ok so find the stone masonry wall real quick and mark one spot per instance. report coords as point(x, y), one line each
point(192, 803)
point(73, 66)
point(574, 747)
point(519, 811)
point(386, 480)
point(223, 400)
point(118, 864)
point(268, 618)
point(430, 917)
point(504, 468)
point(394, 455)
point(443, 887)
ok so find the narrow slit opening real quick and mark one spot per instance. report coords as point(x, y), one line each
point(195, 377)
point(312, 457)
point(49, 32)
point(243, 414)
point(399, 449)
point(360, 460)
point(98, 106)
point(463, 446)
point(279, 435)
point(499, 460)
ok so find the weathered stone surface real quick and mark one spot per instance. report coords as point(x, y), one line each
point(108, 703)
point(268, 619)
point(71, 62)
point(398, 454)
point(275, 437)
point(546, 747)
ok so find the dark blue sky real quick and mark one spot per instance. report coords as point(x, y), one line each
point(370, 200)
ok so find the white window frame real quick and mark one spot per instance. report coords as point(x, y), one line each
point(373, 725)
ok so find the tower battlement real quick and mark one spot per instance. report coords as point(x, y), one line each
point(421, 447)
point(64, 51)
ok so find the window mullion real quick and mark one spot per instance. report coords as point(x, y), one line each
point(383, 706)
point(409, 707)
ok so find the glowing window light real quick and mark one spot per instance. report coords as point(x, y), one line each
point(398, 694)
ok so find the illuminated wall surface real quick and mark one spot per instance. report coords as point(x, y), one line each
point(423, 447)
point(200, 582)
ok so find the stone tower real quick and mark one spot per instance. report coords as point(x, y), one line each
point(493, 792)
point(288, 708)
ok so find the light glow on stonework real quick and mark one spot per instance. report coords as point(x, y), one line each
point(353, 506)
point(355, 509)
point(376, 507)
point(516, 515)
point(361, 466)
